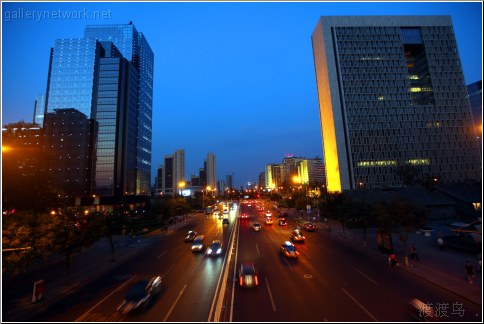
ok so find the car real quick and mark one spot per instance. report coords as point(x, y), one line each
point(268, 214)
point(422, 312)
point(248, 275)
point(256, 227)
point(297, 236)
point(198, 244)
point(225, 221)
point(215, 248)
point(190, 236)
point(244, 215)
point(289, 250)
point(282, 222)
point(269, 221)
point(140, 294)
point(310, 227)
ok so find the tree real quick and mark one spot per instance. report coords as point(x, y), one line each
point(26, 236)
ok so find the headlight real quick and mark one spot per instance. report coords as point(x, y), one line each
point(219, 251)
point(209, 251)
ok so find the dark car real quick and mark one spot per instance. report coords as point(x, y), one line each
point(190, 236)
point(215, 248)
point(282, 222)
point(256, 227)
point(225, 221)
point(248, 275)
point(289, 250)
point(310, 227)
point(282, 215)
point(140, 295)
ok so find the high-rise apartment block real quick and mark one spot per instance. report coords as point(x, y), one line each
point(393, 102)
point(211, 169)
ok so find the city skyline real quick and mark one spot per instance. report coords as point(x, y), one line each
point(235, 79)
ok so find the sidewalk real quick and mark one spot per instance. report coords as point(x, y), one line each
point(87, 266)
point(443, 268)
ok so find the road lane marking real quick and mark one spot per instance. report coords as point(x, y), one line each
point(82, 317)
point(361, 273)
point(167, 271)
point(361, 306)
point(161, 255)
point(270, 295)
point(174, 304)
point(257, 248)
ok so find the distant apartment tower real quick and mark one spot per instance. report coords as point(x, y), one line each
point(311, 171)
point(159, 180)
point(168, 175)
point(229, 181)
point(179, 167)
point(39, 110)
point(392, 100)
point(273, 176)
point(289, 168)
point(211, 168)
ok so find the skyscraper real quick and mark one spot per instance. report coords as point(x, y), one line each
point(211, 170)
point(135, 48)
point(392, 102)
point(168, 176)
point(102, 80)
point(39, 110)
point(179, 167)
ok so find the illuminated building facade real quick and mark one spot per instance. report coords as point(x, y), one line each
point(107, 76)
point(311, 171)
point(39, 110)
point(393, 102)
point(211, 169)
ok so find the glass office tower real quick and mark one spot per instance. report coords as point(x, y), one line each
point(392, 101)
point(94, 77)
point(135, 48)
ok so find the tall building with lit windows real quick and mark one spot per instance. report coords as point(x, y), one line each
point(211, 169)
point(107, 76)
point(393, 102)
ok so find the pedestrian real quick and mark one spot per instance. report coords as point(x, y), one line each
point(413, 253)
point(440, 242)
point(469, 269)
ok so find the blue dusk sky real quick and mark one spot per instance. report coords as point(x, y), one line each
point(233, 78)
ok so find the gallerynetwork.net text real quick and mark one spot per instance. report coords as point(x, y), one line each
point(39, 15)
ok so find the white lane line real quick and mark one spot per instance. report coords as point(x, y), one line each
point(174, 304)
point(83, 316)
point(257, 248)
point(361, 273)
point(161, 255)
point(270, 296)
point(361, 306)
point(216, 234)
point(167, 271)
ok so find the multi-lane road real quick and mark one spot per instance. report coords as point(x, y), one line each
point(329, 281)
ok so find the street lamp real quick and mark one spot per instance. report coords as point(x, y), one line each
point(208, 188)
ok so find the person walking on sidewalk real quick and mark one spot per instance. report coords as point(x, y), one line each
point(469, 269)
point(413, 253)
